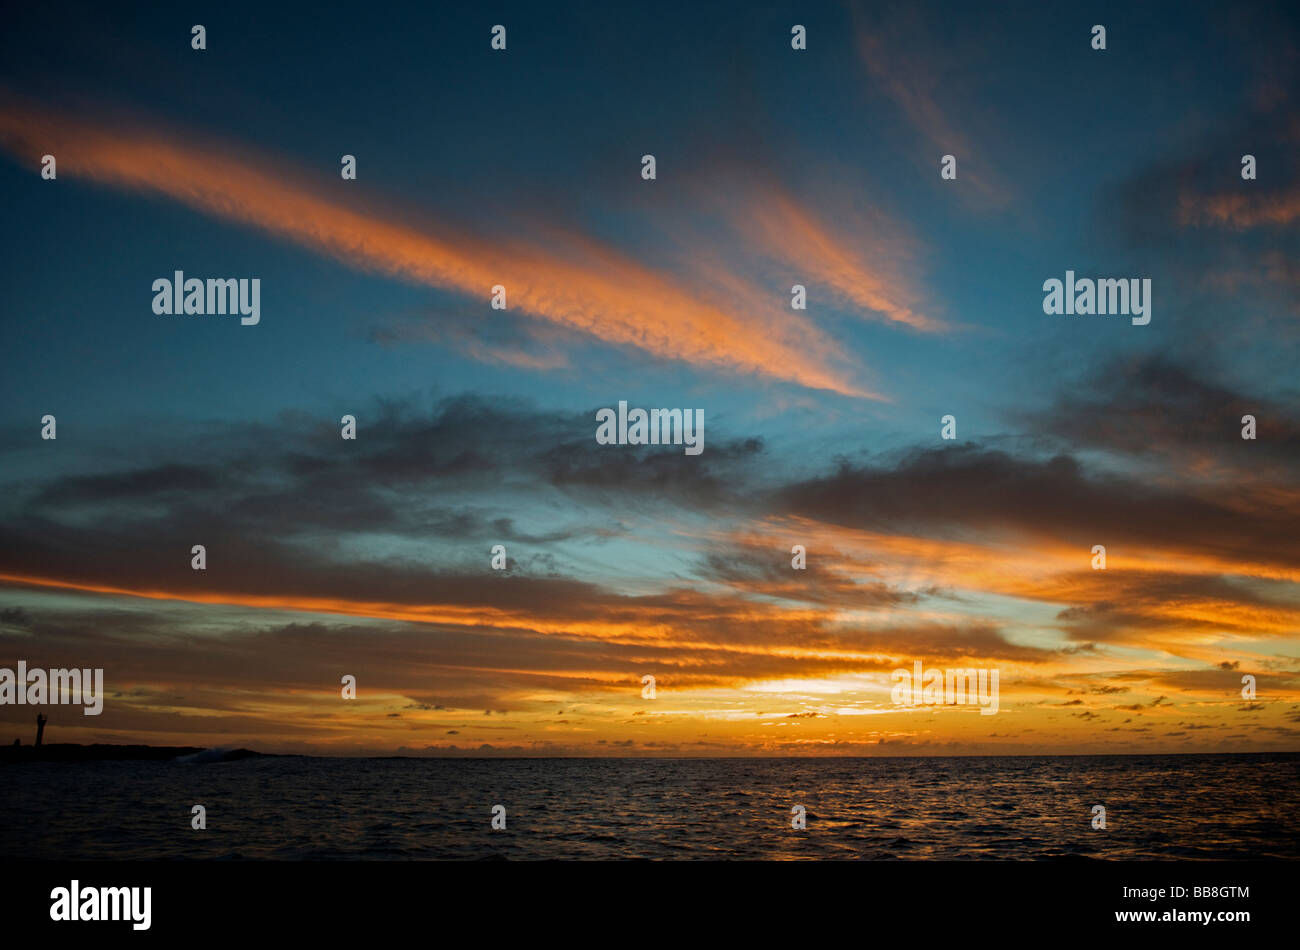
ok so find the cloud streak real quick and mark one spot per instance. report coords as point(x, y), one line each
point(590, 288)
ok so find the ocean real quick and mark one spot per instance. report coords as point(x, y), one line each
point(1224, 807)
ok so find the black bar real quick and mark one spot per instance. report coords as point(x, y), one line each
point(637, 902)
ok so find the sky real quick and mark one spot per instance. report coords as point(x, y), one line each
point(475, 426)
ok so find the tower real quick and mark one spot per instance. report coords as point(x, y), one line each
point(40, 727)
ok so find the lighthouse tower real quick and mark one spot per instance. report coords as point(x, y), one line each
point(40, 727)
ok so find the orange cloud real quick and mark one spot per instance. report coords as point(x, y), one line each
point(1275, 209)
point(589, 288)
point(790, 232)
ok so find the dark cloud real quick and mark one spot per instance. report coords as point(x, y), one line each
point(769, 571)
point(968, 492)
point(1153, 408)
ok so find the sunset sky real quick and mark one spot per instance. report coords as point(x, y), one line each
point(476, 427)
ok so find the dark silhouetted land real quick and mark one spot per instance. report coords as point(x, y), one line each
point(70, 752)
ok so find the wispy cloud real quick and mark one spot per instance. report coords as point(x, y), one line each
point(889, 47)
point(1261, 208)
point(864, 269)
point(567, 279)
